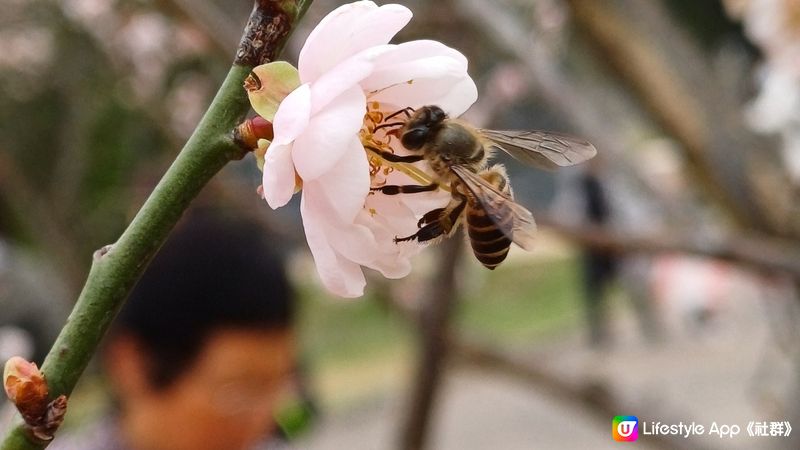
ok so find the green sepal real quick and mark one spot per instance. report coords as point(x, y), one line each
point(269, 84)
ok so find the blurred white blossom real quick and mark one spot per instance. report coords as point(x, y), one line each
point(774, 26)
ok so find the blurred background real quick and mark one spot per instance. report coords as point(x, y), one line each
point(665, 280)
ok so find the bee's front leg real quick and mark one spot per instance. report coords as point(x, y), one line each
point(396, 125)
point(391, 157)
point(393, 189)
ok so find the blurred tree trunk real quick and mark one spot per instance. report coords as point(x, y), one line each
point(434, 322)
point(686, 99)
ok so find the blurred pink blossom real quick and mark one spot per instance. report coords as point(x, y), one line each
point(350, 78)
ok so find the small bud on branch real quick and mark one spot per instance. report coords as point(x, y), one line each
point(27, 389)
point(250, 131)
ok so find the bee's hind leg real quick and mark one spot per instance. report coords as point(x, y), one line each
point(438, 222)
point(429, 232)
point(430, 216)
point(429, 227)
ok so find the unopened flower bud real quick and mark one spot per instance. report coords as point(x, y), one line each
point(25, 387)
point(252, 130)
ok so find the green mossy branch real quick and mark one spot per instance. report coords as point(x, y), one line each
point(116, 268)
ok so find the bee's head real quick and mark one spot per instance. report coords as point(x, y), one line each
point(421, 126)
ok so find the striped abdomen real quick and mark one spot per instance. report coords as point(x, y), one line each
point(488, 242)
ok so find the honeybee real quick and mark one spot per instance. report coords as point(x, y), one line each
point(482, 197)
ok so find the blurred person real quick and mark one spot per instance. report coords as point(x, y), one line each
point(599, 265)
point(599, 194)
point(203, 350)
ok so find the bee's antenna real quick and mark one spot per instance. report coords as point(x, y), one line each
point(407, 111)
point(388, 125)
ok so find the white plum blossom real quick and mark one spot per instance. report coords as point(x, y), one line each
point(349, 79)
point(774, 26)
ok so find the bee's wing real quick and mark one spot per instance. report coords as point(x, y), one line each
point(541, 149)
point(521, 230)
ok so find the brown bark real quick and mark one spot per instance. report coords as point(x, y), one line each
point(433, 324)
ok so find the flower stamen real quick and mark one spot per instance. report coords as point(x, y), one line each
point(374, 122)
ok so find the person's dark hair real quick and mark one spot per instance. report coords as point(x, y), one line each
point(213, 273)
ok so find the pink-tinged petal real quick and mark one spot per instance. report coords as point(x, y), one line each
point(408, 72)
point(346, 185)
point(278, 177)
point(412, 60)
point(459, 98)
point(392, 258)
point(354, 242)
point(422, 73)
point(293, 115)
point(453, 95)
point(391, 208)
point(357, 242)
point(339, 275)
point(275, 81)
point(346, 31)
point(329, 134)
point(341, 78)
point(423, 48)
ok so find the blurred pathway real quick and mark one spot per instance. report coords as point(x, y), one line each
point(728, 371)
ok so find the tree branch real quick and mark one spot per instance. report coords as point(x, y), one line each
point(116, 268)
point(266, 31)
point(766, 255)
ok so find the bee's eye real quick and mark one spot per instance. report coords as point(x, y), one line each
point(414, 138)
point(437, 115)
